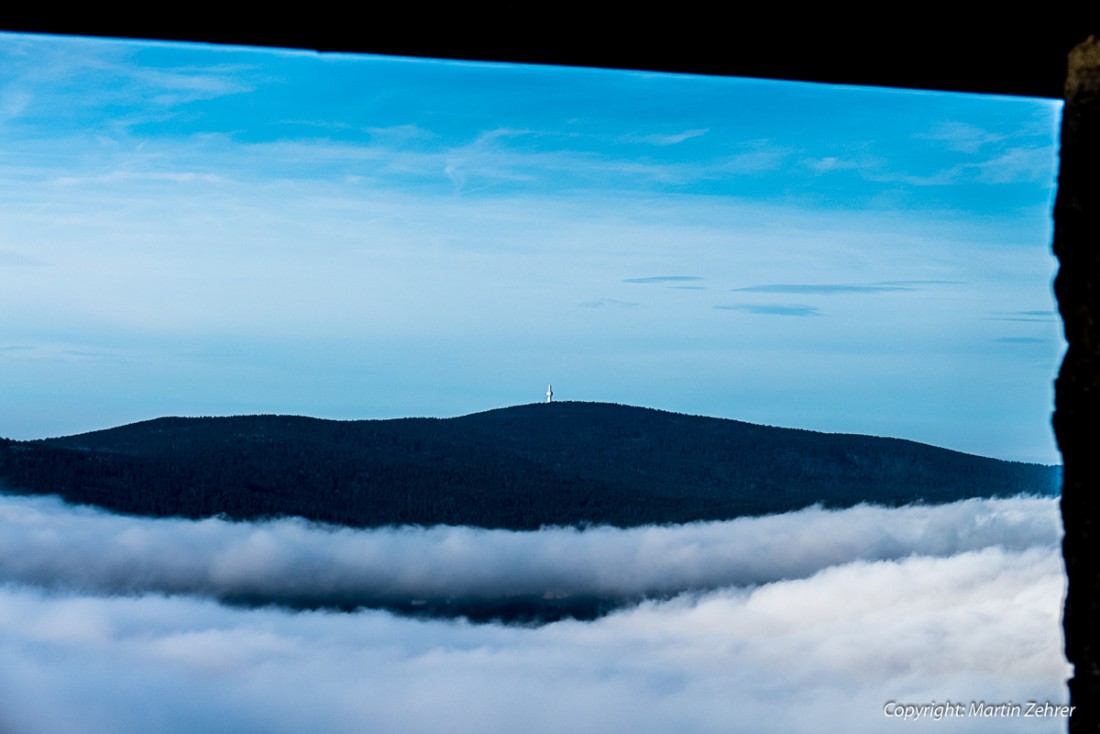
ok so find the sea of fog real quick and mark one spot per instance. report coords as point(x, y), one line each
point(808, 621)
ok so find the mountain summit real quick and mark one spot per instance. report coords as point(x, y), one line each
point(560, 463)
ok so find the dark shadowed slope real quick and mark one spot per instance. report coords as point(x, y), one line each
point(519, 468)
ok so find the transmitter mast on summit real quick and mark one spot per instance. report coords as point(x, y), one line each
point(549, 393)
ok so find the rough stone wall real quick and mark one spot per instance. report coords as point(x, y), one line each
point(1077, 393)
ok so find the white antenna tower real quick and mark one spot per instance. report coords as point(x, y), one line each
point(549, 393)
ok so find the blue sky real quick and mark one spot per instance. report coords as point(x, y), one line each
point(192, 230)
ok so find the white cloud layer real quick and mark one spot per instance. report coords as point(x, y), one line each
point(807, 622)
point(47, 543)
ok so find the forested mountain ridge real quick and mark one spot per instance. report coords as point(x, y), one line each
point(519, 467)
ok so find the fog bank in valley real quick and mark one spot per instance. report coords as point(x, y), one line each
point(47, 543)
point(785, 624)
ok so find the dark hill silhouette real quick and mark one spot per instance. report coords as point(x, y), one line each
point(519, 467)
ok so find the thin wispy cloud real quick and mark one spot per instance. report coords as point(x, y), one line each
point(772, 309)
point(961, 136)
point(767, 158)
point(608, 302)
point(60, 352)
point(950, 176)
point(182, 86)
point(833, 164)
point(822, 288)
point(664, 279)
point(1030, 164)
point(13, 102)
point(18, 259)
point(120, 86)
point(127, 177)
point(1028, 316)
point(921, 282)
point(495, 159)
point(667, 139)
point(1017, 165)
point(400, 133)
